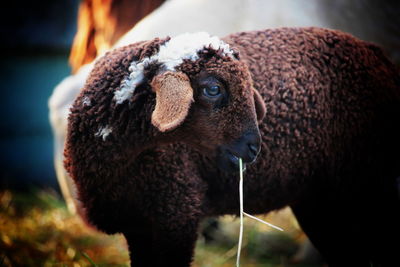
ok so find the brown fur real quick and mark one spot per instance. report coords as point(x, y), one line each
point(329, 147)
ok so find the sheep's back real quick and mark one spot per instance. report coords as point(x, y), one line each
point(332, 106)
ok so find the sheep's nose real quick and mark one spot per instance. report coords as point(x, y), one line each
point(253, 150)
point(253, 141)
point(248, 146)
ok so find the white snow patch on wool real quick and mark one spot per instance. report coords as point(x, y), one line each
point(187, 46)
point(86, 101)
point(103, 132)
point(170, 55)
point(129, 84)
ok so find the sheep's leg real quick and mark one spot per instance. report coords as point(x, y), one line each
point(165, 246)
point(324, 232)
point(342, 234)
point(175, 246)
point(173, 198)
point(140, 250)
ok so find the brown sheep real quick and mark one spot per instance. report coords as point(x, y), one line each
point(154, 139)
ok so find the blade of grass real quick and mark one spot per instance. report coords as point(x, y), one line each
point(262, 221)
point(89, 259)
point(241, 212)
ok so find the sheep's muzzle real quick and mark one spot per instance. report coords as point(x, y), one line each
point(246, 147)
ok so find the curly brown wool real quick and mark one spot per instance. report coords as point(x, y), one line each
point(330, 147)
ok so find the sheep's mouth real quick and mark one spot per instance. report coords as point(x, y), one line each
point(228, 161)
point(235, 160)
point(245, 147)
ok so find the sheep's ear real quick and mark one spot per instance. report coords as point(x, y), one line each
point(174, 95)
point(260, 105)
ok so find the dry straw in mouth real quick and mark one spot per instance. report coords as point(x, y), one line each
point(242, 213)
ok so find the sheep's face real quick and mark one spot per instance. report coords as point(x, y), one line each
point(204, 96)
point(215, 110)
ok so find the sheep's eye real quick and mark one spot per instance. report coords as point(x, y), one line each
point(212, 91)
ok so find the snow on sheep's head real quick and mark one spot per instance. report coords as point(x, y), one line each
point(171, 86)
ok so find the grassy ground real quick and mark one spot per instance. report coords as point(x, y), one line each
point(37, 230)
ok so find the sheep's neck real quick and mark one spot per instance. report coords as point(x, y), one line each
point(142, 143)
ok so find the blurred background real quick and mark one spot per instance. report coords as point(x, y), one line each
point(36, 42)
point(44, 42)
